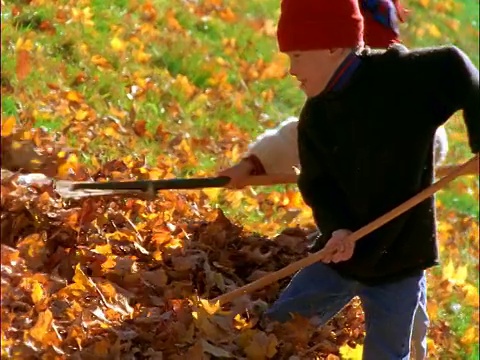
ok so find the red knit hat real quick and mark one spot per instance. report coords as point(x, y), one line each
point(319, 24)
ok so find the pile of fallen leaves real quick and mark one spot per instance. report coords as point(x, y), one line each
point(114, 277)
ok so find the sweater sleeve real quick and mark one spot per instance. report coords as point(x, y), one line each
point(460, 88)
point(468, 93)
point(276, 149)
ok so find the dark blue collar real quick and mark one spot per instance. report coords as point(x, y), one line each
point(344, 73)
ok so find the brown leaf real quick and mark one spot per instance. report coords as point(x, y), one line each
point(140, 127)
point(33, 249)
point(257, 345)
point(157, 277)
point(215, 350)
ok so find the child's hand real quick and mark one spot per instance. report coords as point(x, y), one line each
point(339, 247)
point(238, 174)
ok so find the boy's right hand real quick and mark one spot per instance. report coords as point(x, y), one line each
point(238, 174)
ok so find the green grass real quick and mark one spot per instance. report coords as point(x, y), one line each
point(460, 319)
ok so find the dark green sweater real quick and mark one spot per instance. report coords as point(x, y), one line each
point(356, 164)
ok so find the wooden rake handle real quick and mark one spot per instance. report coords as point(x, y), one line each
point(266, 280)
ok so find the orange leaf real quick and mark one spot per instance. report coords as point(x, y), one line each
point(74, 97)
point(43, 325)
point(8, 125)
point(172, 22)
point(100, 61)
point(23, 64)
point(228, 15)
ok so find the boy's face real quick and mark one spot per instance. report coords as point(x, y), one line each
point(314, 68)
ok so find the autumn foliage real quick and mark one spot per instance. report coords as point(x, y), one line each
point(107, 276)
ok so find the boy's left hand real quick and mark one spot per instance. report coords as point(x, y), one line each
point(339, 247)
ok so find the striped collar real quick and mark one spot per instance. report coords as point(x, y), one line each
point(344, 73)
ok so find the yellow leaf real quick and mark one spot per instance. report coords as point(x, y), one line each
point(212, 193)
point(110, 131)
point(349, 353)
point(209, 307)
point(103, 249)
point(155, 174)
point(456, 276)
point(471, 296)
point(8, 125)
point(81, 115)
point(81, 279)
point(118, 45)
point(470, 336)
point(424, 3)
point(37, 292)
point(42, 326)
point(24, 44)
point(69, 166)
point(240, 322)
point(434, 31)
point(448, 270)
point(157, 255)
point(83, 16)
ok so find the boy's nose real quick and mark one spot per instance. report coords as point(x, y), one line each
point(292, 71)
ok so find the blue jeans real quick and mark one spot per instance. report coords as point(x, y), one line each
point(390, 309)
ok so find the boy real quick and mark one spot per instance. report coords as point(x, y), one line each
point(275, 151)
point(361, 106)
